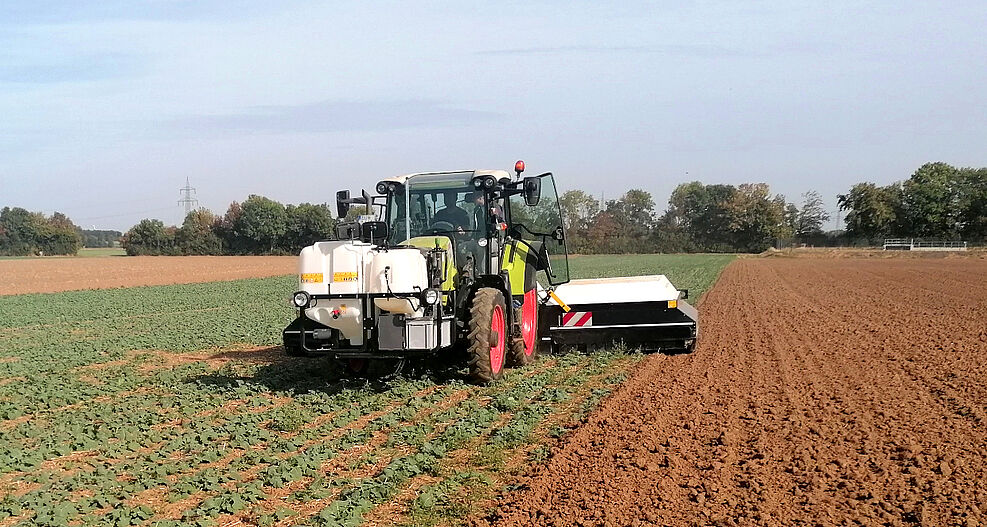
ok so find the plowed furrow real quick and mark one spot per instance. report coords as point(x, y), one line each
point(824, 391)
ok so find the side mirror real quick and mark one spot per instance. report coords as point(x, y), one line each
point(532, 191)
point(342, 203)
point(374, 232)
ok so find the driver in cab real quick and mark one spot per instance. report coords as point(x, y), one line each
point(452, 214)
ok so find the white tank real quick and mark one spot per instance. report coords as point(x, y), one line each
point(401, 271)
point(337, 267)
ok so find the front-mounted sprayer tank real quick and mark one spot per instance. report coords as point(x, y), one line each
point(398, 271)
point(339, 268)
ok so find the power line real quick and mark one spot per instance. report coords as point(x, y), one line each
point(124, 214)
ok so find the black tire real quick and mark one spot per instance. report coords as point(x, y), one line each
point(484, 364)
point(357, 367)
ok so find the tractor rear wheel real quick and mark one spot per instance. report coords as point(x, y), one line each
point(487, 335)
point(524, 349)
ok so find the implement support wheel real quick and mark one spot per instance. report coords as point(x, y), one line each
point(487, 335)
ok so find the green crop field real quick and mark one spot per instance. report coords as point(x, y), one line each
point(101, 252)
point(173, 405)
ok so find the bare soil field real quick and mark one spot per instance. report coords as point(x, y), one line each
point(50, 275)
point(854, 252)
point(823, 392)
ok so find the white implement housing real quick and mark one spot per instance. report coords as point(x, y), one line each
point(645, 311)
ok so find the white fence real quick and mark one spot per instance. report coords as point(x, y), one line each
point(912, 244)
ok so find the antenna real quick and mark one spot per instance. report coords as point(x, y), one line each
point(187, 200)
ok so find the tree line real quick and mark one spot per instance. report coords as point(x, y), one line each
point(100, 238)
point(699, 218)
point(259, 225)
point(25, 233)
point(938, 201)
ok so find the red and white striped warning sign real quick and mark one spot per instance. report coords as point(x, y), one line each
point(577, 319)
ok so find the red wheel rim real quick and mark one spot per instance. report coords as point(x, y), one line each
point(529, 322)
point(497, 351)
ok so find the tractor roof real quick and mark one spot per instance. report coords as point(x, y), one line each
point(427, 177)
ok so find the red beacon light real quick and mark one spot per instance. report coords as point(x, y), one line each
point(519, 167)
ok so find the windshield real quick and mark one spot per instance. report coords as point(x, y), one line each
point(436, 204)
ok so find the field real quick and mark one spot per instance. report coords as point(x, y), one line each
point(101, 252)
point(53, 274)
point(173, 405)
point(824, 391)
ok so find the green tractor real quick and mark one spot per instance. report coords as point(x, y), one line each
point(440, 261)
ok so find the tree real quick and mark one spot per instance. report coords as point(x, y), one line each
point(809, 219)
point(19, 231)
point(307, 224)
point(59, 236)
point(670, 236)
point(262, 224)
point(931, 201)
point(578, 209)
point(602, 234)
point(24, 233)
point(756, 218)
point(972, 204)
point(871, 211)
point(702, 212)
point(196, 235)
point(148, 237)
point(633, 217)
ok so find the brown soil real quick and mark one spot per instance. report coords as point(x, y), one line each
point(823, 392)
point(853, 252)
point(42, 275)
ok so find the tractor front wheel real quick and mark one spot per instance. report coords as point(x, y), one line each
point(487, 335)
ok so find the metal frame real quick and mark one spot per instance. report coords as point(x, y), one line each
point(369, 326)
point(632, 322)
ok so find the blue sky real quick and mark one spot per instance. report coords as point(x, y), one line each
point(106, 107)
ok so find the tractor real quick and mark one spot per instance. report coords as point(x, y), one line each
point(470, 260)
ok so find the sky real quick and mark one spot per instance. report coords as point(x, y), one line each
point(106, 107)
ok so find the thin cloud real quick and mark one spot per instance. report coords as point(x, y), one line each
point(76, 69)
point(690, 50)
point(16, 13)
point(339, 116)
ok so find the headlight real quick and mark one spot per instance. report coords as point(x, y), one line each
point(382, 188)
point(489, 182)
point(301, 299)
point(478, 182)
point(431, 296)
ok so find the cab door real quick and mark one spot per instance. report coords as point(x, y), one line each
point(540, 228)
